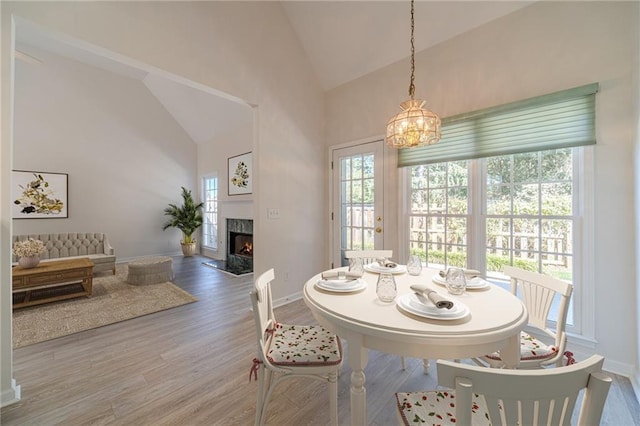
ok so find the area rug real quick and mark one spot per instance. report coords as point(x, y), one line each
point(113, 300)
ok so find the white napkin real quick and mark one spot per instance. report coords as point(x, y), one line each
point(468, 273)
point(348, 275)
point(387, 263)
point(438, 300)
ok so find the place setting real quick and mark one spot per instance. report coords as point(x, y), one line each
point(473, 278)
point(385, 266)
point(344, 281)
point(428, 303)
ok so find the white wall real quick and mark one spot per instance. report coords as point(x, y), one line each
point(543, 48)
point(245, 49)
point(126, 157)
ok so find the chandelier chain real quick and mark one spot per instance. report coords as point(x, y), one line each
point(412, 87)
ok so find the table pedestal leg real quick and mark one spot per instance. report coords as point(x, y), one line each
point(357, 358)
point(510, 354)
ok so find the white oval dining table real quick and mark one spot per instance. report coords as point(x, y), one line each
point(494, 323)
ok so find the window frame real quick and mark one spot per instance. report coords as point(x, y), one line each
point(205, 225)
point(583, 327)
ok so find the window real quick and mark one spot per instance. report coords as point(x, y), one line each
point(526, 206)
point(526, 215)
point(210, 216)
point(510, 185)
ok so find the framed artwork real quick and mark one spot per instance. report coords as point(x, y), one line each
point(240, 174)
point(39, 195)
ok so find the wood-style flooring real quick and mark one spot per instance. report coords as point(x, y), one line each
point(190, 366)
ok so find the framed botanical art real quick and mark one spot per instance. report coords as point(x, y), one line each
point(240, 174)
point(39, 195)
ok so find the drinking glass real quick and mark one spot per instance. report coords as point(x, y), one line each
point(456, 281)
point(414, 265)
point(386, 288)
point(356, 265)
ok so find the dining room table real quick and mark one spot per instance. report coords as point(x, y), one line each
point(487, 318)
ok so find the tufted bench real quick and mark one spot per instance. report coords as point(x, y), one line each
point(95, 246)
point(150, 270)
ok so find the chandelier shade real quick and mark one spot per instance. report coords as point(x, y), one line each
point(414, 125)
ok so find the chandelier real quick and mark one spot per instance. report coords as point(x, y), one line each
point(414, 125)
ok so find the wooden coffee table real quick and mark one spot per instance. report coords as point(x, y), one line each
point(52, 281)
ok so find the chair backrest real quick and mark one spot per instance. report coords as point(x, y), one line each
point(545, 396)
point(368, 256)
point(538, 292)
point(263, 311)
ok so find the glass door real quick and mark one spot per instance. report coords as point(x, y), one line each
point(357, 199)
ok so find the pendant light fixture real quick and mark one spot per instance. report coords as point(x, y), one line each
point(414, 125)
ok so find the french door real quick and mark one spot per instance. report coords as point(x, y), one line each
point(357, 199)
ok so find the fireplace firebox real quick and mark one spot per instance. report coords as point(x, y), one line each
point(240, 245)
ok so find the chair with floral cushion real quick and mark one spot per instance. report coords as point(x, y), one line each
point(538, 292)
point(289, 351)
point(491, 396)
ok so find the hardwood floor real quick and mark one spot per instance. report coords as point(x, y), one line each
point(190, 366)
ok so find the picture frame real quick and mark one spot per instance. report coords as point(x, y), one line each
point(240, 174)
point(39, 195)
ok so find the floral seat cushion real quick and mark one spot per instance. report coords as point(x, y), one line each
point(530, 348)
point(303, 345)
point(437, 408)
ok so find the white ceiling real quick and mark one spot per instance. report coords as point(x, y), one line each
point(343, 40)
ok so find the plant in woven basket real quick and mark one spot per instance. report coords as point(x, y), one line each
point(186, 218)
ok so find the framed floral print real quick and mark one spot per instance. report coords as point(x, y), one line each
point(39, 195)
point(240, 174)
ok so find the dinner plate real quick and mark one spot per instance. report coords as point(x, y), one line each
point(342, 286)
point(410, 303)
point(475, 283)
point(374, 267)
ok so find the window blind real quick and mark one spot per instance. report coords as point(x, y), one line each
point(558, 120)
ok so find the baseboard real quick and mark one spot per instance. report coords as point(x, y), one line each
point(10, 396)
point(288, 299)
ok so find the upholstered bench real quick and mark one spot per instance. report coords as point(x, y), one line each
point(150, 270)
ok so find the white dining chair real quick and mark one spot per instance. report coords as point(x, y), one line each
point(538, 292)
point(289, 351)
point(368, 256)
point(491, 396)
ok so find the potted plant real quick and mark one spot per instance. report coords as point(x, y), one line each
point(187, 219)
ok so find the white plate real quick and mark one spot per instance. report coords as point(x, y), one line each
point(410, 303)
point(342, 286)
point(375, 268)
point(475, 283)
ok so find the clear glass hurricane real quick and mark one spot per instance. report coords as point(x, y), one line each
point(386, 288)
point(414, 265)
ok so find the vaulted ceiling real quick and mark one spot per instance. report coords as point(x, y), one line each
point(343, 40)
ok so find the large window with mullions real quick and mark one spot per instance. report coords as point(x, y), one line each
point(510, 185)
point(525, 213)
point(486, 213)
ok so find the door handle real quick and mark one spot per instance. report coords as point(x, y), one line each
point(378, 230)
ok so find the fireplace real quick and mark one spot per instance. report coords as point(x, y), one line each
point(240, 245)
